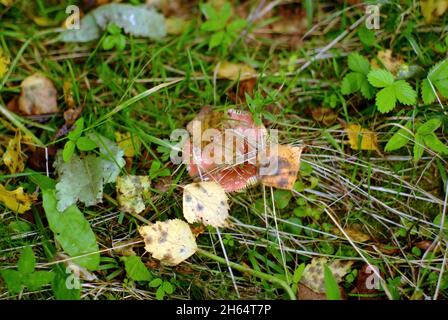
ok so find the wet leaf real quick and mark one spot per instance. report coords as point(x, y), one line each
point(360, 138)
point(132, 192)
point(16, 200)
point(206, 202)
point(38, 96)
point(169, 241)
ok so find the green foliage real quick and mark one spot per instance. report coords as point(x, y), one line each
point(400, 138)
point(357, 79)
point(392, 90)
point(157, 170)
point(224, 30)
point(25, 275)
point(282, 198)
point(163, 287)
point(75, 140)
point(114, 38)
point(331, 285)
point(136, 269)
point(83, 178)
point(438, 77)
point(257, 105)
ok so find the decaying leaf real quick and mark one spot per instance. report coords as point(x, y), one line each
point(130, 145)
point(280, 165)
point(390, 62)
point(169, 241)
point(12, 157)
point(38, 96)
point(354, 233)
point(138, 21)
point(235, 71)
point(206, 202)
point(432, 9)
point(83, 178)
point(132, 191)
point(313, 275)
point(4, 63)
point(16, 200)
point(7, 3)
point(176, 25)
point(369, 140)
point(326, 116)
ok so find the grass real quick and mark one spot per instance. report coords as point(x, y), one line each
point(152, 88)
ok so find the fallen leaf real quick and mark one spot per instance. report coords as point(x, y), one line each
point(16, 200)
point(176, 26)
point(238, 93)
point(313, 275)
point(280, 165)
point(68, 95)
point(392, 63)
point(132, 192)
point(83, 178)
point(432, 9)
point(326, 116)
point(12, 157)
point(4, 63)
point(138, 21)
point(369, 139)
point(169, 241)
point(305, 293)
point(7, 3)
point(206, 202)
point(366, 277)
point(235, 71)
point(129, 144)
point(354, 233)
point(38, 96)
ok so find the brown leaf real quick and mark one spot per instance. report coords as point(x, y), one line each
point(354, 233)
point(432, 9)
point(369, 140)
point(38, 96)
point(390, 62)
point(305, 293)
point(326, 116)
point(235, 71)
point(364, 280)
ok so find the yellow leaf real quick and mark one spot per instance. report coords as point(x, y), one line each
point(169, 241)
point(7, 3)
point(280, 166)
point(235, 71)
point(16, 200)
point(354, 233)
point(433, 9)
point(38, 96)
point(369, 139)
point(206, 202)
point(132, 191)
point(390, 62)
point(4, 63)
point(313, 274)
point(12, 157)
point(175, 25)
point(130, 145)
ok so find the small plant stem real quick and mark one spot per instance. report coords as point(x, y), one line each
point(255, 273)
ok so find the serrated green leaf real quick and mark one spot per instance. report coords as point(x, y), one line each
point(439, 71)
point(428, 95)
point(405, 93)
point(136, 269)
point(433, 143)
point(237, 25)
point(27, 261)
point(399, 139)
point(68, 151)
point(36, 280)
point(85, 144)
point(429, 126)
point(13, 280)
point(418, 147)
point(350, 83)
point(358, 63)
point(331, 285)
point(366, 89)
point(380, 78)
point(366, 36)
point(72, 231)
point(385, 99)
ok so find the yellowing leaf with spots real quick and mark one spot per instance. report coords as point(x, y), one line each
point(432, 9)
point(4, 63)
point(12, 157)
point(206, 202)
point(169, 241)
point(235, 71)
point(132, 191)
point(130, 145)
point(313, 274)
point(16, 200)
point(360, 138)
point(38, 96)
